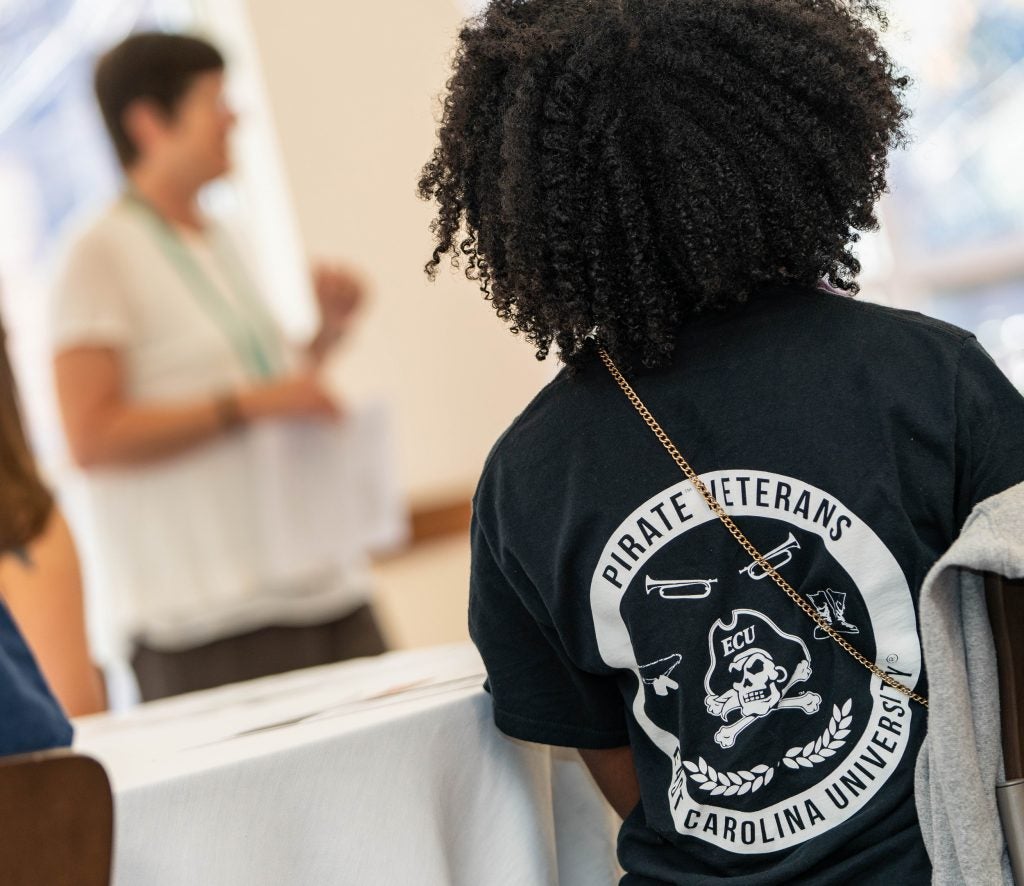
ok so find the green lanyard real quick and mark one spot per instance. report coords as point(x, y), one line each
point(241, 327)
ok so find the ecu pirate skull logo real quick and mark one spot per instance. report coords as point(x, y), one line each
point(754, 669)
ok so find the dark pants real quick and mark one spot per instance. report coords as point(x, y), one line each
point(272, 650)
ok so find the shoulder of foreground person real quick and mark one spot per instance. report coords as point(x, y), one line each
point(30, 717)
point(567, 392)
point(572, 410)
point(883, 315)
point(43, 591)
point(558, 406)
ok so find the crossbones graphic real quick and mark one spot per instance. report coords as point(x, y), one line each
point(760, 688)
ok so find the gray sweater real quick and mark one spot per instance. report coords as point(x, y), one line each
point(961, 761)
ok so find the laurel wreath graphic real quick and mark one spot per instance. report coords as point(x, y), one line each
point(747, 781)
point(728, 784)
point(826, 745)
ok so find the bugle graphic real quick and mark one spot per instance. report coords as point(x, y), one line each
point(777, 557)
point(681, 589)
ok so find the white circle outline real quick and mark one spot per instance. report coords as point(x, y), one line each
point(886, 595)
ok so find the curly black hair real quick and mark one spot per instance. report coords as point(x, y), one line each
point(618, 165)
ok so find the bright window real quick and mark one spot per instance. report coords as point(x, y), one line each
point(57, 167)
point(952, 239)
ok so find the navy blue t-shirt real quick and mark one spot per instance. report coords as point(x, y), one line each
point(849, 442)
point(30, 717)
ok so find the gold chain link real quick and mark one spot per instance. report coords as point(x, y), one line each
point(736, 533)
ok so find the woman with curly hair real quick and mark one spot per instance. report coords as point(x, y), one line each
point(666, 193)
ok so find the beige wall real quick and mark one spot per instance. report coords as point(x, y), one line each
point(353, 91)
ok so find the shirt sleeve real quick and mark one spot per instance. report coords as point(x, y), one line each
point(539, 695)
point(989, 430)
point(90, 305)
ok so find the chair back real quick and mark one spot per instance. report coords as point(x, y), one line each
point(58, 820)
point(1005, 599)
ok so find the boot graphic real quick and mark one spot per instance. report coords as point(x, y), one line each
point(831, 606)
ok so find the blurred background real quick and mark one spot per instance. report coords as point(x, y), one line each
point(337, 104)
point(952, 237)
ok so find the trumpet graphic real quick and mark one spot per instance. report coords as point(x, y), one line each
point(681, 589)
point(777, 557)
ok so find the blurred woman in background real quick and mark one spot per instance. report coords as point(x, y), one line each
point(173, 379)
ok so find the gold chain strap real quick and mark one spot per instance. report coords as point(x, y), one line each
point(736, 533)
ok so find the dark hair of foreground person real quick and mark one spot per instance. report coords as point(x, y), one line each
point(624, 165)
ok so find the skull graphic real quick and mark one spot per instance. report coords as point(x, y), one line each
point(758, 685)
point(753, 669)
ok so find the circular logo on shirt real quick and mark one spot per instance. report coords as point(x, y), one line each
point(772, 734)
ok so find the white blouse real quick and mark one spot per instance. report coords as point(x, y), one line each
point(267, 525)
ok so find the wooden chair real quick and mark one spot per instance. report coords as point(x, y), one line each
point(1005, 600)
point(58, 820)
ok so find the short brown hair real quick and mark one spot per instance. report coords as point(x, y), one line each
point(25, 503)
point(154, 66)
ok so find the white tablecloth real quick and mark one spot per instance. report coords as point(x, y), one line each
point(380, 772)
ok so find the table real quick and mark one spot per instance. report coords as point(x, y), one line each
point(378, 772)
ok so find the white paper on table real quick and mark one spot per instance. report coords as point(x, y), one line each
point(270, 525)
point(327, 493)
